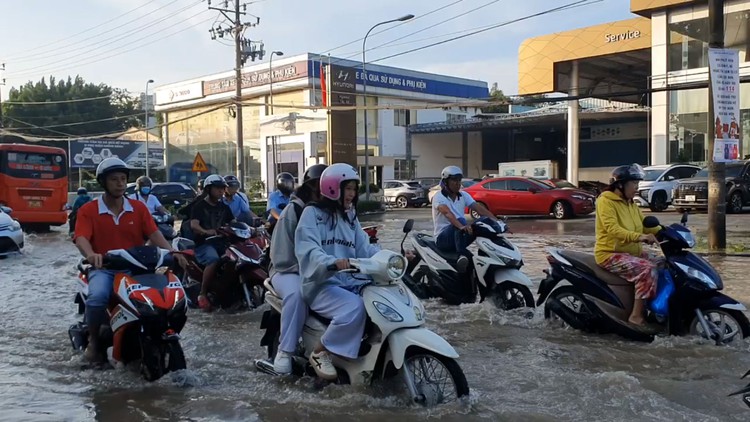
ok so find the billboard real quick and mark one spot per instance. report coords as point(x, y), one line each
point(89, 153)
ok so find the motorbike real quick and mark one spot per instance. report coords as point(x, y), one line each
point(687, 301)
point(146, 313)
point(372, 232)
point(395, 340)
point(745, 391)
point(239, 275)
point(496, 270)
point(165, 223)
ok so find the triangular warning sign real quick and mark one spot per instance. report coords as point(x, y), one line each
point(199, 165)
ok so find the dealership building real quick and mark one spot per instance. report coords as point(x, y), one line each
point(282, 126)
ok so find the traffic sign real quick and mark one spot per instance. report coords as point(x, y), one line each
point(199, 165)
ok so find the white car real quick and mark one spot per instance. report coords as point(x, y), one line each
point(11, 235)
point(655, 191)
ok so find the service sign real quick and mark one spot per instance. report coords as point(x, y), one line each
point(89, 153)
point(179, 93)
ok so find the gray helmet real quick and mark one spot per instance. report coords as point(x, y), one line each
point(627, 173)
point(143, 181)
point(214, 180)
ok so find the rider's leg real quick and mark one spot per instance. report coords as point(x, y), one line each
point(293, 309)
point(642, 272)
point(208, 256)
point(99, 292)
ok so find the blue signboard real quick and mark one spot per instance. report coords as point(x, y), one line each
point(89, 153)
point(410, 83)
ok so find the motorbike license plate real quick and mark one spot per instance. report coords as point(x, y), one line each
point(690, 198)
point(35, 204)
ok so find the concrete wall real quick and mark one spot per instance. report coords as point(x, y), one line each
point(435, 151)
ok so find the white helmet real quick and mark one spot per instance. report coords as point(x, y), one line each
point(110, 165)
point(451, 171)
point(214, 180)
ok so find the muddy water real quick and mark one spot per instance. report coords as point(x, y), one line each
point(518, 368)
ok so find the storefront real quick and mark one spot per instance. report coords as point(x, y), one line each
point(666, 49)
point(284, 128)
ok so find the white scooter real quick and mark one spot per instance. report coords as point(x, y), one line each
point(395, 339)
point(496, 270)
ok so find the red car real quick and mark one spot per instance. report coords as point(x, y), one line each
point(529, 196)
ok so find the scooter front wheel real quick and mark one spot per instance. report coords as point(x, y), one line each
point(508, 295)
point(726, 324)
point(433, 379)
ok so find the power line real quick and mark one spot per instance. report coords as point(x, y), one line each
point(77, 100)
point(523, 18)
point(82, 32)
point(107, 31)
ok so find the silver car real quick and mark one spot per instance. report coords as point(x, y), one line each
point(404, 193)
point(11, 235)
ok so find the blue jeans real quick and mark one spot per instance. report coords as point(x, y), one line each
point(451, 239)
point(207, 254)
point(100, 291)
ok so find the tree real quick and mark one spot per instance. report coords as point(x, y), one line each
point(101, 113)
point(497, 97)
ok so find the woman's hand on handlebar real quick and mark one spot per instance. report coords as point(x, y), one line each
point(648, 238)
point(95, 259)
point(342, 264)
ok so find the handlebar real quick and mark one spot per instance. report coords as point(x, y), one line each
point(333, 267)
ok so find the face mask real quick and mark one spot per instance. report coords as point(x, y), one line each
point(145, 190)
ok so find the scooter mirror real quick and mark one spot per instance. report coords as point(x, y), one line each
point(650, 222)
point(684, 218)
point(409, 225)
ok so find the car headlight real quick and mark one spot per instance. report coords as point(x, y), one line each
point(396, 267)
point(387, 312)
point(688, 238)
point(15, 226)
point(581, 197)
point(697, 274)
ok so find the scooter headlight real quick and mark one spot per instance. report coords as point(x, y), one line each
point(387, 312)
point(396, 267)
point(697, 275)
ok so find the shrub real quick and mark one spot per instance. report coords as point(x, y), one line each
point(368, 206)
point(373, 188)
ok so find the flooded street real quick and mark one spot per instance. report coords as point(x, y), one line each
point(518, 368)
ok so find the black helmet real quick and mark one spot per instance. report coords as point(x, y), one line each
point(214, 180)
point(313, 172)
point(232, 181)
point(82, 191)
point(110, 165)
point(627, 173)
point(285, 183)
point(143, 181)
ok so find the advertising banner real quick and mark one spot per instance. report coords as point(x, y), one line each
point(256, 78)
point(342, 124)
point(725, 85)
point(89, 153)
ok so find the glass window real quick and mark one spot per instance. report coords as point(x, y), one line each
point(496, 185)
point(688, 41)
point(672, 174)
point(400, 117)
point(32, 165)
point(518, 185)
point(401, 169)
point(454, 118)
point(686, 172)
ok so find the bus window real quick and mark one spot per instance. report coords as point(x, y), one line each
point(33, 165)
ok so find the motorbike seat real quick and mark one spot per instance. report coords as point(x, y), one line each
point(426, 240)
point(586, 262)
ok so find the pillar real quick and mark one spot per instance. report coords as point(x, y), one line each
point(573, 126)
point(465, 152)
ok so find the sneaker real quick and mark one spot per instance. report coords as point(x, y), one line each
point(282, 363)
point(204, 304)
point(321, 363)
point(461, 263)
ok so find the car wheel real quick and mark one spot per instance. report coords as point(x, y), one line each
point(561, 210)
point(658, 201)
point(475, 215)
point(402, 202)
point(735, 203)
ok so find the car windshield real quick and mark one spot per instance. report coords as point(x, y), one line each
point(467, 183)
point(413, 184)
point(732, 171)
point(544, 184)
point(652, 175)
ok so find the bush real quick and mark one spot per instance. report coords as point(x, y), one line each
point(258, 207)
point(369, 206)
point(373, 188)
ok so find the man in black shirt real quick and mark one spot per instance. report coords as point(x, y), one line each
point(206, 216)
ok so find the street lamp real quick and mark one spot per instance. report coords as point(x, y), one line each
point(270, 108)
point(364, 98)
point(145, 123)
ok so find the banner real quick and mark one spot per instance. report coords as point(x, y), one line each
point(340, 89)
point(725, 85)
point(89, 153)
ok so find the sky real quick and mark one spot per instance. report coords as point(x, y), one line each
point(124, 43)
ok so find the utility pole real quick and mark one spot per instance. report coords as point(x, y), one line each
point(717, 189)
point(243, 48)
point(2, 83)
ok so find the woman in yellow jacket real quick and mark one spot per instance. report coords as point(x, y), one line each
point(619, 234)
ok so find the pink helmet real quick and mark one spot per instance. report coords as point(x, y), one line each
point(333, 177)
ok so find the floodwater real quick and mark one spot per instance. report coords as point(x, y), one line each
point(518, 368)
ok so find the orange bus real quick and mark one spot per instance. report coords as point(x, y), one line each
point(34, 183)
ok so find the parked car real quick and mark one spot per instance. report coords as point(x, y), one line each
point(404, 193)
point(692, 193)
point(655, 191)
point(529, 196)
point(428, 182)
point(591, 186)
point(11, 234)
point(168, 192)
point(465, 183)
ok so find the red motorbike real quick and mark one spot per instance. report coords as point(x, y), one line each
point(372, 231)
point(240, 275)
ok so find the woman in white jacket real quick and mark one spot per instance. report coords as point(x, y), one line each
point(284, 269)
point(329, 233)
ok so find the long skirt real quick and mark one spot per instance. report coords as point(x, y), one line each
point(641, 271)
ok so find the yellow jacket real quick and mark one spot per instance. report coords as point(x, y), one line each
point(619, 225)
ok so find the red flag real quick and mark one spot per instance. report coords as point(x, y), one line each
point(323, 88)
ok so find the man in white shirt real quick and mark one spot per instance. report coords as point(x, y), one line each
point(143, 187)
point(452, 232)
